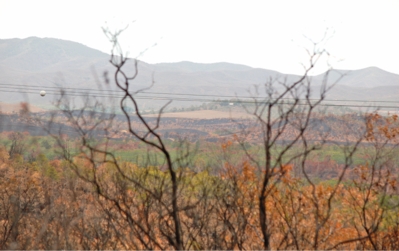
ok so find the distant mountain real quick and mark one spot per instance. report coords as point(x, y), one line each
point(53, 63)
point(37, 54)
point(370, 77)
point(197, 67)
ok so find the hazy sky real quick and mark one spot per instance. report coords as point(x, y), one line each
point(266, 34)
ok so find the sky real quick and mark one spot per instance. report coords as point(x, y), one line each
point(263, 34)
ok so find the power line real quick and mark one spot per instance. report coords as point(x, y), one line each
point(189, 99)
point(219, 101)
point(114, 93)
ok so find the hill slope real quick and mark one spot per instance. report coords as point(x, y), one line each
point(48, 62)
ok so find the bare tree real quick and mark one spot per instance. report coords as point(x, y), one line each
point(153, 220)
point(288, 108)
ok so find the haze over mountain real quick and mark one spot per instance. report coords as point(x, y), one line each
point(53, 63)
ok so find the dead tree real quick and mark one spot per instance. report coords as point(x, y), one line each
point(152, 221)
point(283, 120)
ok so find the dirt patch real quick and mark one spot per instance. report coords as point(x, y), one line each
point(205, 114)
point(15, 108)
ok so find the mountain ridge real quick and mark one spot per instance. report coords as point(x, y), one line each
point(57, 62)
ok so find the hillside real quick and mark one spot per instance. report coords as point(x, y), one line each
point(55, 63)
point(370, 77)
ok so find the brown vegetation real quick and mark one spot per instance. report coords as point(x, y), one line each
point(276, 196)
